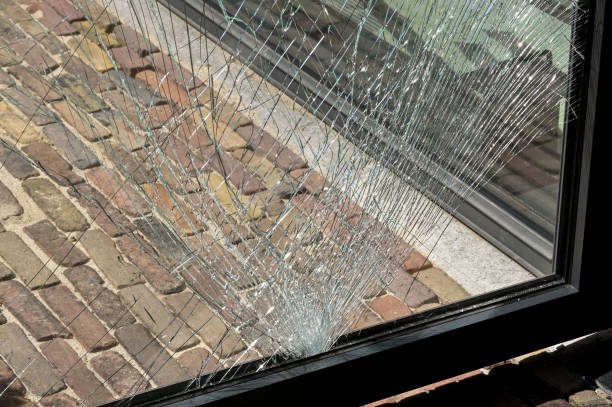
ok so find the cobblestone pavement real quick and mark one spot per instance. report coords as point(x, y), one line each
point(87, 297)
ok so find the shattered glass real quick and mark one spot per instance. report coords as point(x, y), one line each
point(233, 216)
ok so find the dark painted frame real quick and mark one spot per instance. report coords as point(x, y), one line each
point(420, 349)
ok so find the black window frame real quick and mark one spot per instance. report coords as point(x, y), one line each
point(476, 332)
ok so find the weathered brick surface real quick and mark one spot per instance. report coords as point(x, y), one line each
point(52, 19)
point(24, 262)
point(120, 375)
point(263, 143)
point(389, 307)
point(164, 64)
point(143, 256)
point(202, 320)
point(101, 210)
point(18, 128)
point(179, 214)
point(121, 194)
point(130, 61)
point(9, 205)
point(79, 320)
point(367, 319)
point(137, 89)
point(8, 376)
point(134, 166)
point(103, 252)
point(45, 90)
point(58, 400)
point(78, 377)
point(55, 205)
point(223, 163)
point(170, 247)
point(156, 317)
point(34, 316)
point(35, 55)
point(135, 41)
point(169, 88)
point(149, 354)
point(16, 165)
point(96, 33)
point(91, 53)
point(85, 126)
point(80, 95)
point(311, 179)
point(411, 291)
point(91, 78)
point(31, 107)
point(52, 163)
point(104, 303)
point(199, 361)
point(447, 289)
point(38, 376)
point(5, 272)
point(70, 146)
point(55, 244)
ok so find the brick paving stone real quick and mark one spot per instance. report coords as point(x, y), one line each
point(120, 193)
point(45, 90)
point(135, 41)
point(12, 10)
point(273, 177)
point(130, 61)
point(52, 163)
point(367, 319)
point(156, 317)
point(91, 78)
point(79, 320)
point(9, 205)
point(16, 165)
point(58, 400)
point(169, 88)
point(447, 289)
point(123, 103)
point(411, 291)
point(31, 106)
point(181, 215)
point(51, 19)
point(38, 376)
point(223, 163)
point(7, 56)
point(55, 205)
point(8, 31)
point(389, 307)
point(135, 166)
point(80, 95)
point(6, 80)
point(154, 359)
point(76, 374)
point(221, 339)
point(8, 376)
point(99, 208)
point(95, 33)
point(138, 89)
point(55, 244)
point(263, 143)
point(163, 63)
point(312, 180)
point(103, 252)
point(5, 272)
point(169, 246)
point(24, 262)
point(34, 55)
point(70, 146)
point(66, 10)
point(85, 126)
point(45, 39)
point(139, 252)
point(102, 16)
point(118, 373)
point(34, 316)
point(19, 129)
point(199, 361)
point(104, 303)
point(91, 53)
point(129, 135)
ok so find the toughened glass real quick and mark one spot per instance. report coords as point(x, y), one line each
point(179, 199)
